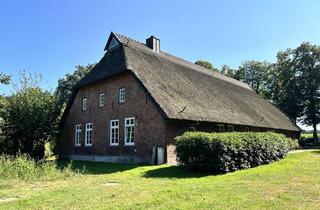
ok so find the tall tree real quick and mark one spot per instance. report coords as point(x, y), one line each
point(206, 64)
point(289, 96)
point(307, 64)
point(66, 84)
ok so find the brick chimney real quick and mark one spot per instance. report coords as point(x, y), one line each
point(153, 43)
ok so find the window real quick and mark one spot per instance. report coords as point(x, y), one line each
point(101, 100)
point(77, 134)
point(220, 128)
point(114, 132)
point(88, 137)
point(247, 129)
point(122, 95)
point(113, 43)
point(84, 104)
point(230, 128)
point(129, 131)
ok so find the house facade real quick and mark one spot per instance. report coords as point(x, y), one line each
point(137, 99)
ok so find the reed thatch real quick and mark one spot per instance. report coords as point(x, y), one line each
point(186, 91)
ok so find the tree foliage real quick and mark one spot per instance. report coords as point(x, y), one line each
point(66, 84)
point(206, 64)
point(4, 78)
point(30, 117)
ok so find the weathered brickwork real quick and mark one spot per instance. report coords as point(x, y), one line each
point(151, 128)
point(149, 124)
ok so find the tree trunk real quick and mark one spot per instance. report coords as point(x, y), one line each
point(315, 133)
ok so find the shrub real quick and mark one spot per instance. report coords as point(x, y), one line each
point(24, 168)
point(225, 152)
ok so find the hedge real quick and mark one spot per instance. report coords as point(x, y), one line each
point(226, 152)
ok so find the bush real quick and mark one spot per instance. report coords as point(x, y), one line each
point(24, 168)
point(225, 152)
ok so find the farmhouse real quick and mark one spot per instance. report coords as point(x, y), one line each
point(137, 99)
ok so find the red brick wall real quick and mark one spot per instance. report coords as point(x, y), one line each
point(149, 124)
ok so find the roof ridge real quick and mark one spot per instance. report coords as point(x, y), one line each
point(184, 62)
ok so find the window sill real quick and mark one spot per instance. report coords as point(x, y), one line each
point(88, 145)
point(113, 145)
point(78, 145)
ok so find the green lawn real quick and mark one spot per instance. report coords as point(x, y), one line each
point(292, 183)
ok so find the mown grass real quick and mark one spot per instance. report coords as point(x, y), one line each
point(292, 183)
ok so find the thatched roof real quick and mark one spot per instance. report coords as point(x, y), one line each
point(186, 91)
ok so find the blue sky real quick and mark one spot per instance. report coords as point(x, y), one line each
point(51, 37)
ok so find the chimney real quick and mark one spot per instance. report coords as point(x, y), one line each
point(153, 43)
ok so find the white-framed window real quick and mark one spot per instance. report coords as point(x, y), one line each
point(77, 135)
point(230, 128)
point(129, 131)
point(220, 128)
point(88, 136)
point(122, 95)
point(84, 104)
point(101, 100)
point(114, 132)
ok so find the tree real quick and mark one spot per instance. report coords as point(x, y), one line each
point(30, 118)
point(206, 64)
point(4, 79)
point(287, 85)
point(254, 73)
point(66, 84)
point(307, 64)
point(226, 70)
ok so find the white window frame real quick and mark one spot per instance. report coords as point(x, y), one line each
point(122, 95)
point(101, 100)
point(112, 130)
point(84, 104)
point(77, 135)
point(219, 128)
point(89, 127)
point(230, 128)
point(126, 127)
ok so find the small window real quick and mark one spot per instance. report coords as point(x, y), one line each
point(122, 95)
point(129, 131)
point(114, 132)
point(113, 43)
point(220, 128)
point(88, 137)
point(101, 100)
point(230, 128)
point(77, 136)
point(247, 129)
point(84, 104)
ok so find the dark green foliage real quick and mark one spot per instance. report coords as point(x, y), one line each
point(66, 84)
point(206, 64)
point(29, 119)
point(4, 79)
point(225, 152)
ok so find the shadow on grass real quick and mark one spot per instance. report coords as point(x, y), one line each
point(173, 172)
point(88, 167)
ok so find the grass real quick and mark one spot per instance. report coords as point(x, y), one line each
point(23, 168)
point(292, 183)
point(308, 135)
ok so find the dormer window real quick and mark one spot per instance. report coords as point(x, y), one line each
point(122, 95)
point(113, 43)
point(84, 104)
